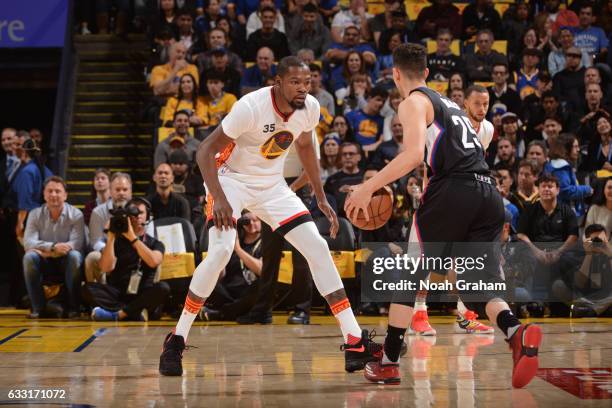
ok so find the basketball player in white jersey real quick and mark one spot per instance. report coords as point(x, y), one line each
point(476, 105)
point(242, 166)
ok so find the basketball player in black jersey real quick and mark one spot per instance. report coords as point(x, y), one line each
point(461, 204)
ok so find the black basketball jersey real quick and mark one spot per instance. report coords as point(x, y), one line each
point(452, 146)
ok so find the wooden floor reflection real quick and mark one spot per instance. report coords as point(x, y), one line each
point(115, 365)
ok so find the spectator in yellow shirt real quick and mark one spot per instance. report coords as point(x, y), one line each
point(165, 78)
point(187, 100)
point(218, 102)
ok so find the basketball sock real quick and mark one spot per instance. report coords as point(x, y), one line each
point(508, 323)
point(348, 324)
point(420, 305)
point(461, 307)
point(190, 311)
point(393, 344)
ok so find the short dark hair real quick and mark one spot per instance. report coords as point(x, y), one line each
point(587, 5)
point(444, 30)
point(214, 75)
point(503, 166)
point(475, 89)
point(289, 62)
point(347, 144)
point(410, 59)
point(104, 171)
point(532, 165)
point(184, 12)
point(267, 8)
point(309, 8)
point(547, 178)
point(180, 112)
point(314, 67)
point(548, 94)
point(55, 179)
point(593, 228)
point(500, 64)
point(378, 91)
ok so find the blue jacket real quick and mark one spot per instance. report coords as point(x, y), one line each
point(568, 186)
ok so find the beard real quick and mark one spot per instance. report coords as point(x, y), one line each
point(297, 105)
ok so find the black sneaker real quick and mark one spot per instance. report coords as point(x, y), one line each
point(300, 317)
point(253, 318)
point(170, 361)
point(356, 356)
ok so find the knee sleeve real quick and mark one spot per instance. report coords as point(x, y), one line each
point(307, 240)
point(220, 248)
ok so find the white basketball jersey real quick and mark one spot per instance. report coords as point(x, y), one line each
point(263, 135)
point(485, 133)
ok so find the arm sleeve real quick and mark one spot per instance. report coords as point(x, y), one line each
point(239, 120)
point(77, 233)
point(26, 191)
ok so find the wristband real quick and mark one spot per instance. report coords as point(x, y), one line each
point(132, 242)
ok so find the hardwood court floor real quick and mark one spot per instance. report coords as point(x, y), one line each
point(115, 365)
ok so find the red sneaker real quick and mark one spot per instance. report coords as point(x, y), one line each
point(524, 344)
point(379, 373)
point(420, 324)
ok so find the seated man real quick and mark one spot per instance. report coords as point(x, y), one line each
point(164, 202)
point(367, 123)
point(588, 285)
point(387, 151)
point(121, 193)
point(338, 185)
point(130, 259)
point(179, 139)
point(255, 76)
point(548, 228)
point(267, 36)
point(54, 239)
point(236, 291)
point(165, 78)
point(218, 102)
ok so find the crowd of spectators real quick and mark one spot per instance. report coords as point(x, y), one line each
point(545, 65)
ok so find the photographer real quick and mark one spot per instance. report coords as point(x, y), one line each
point(589, 285)
point(236, 291)
point(130, 260)
point(121, 193)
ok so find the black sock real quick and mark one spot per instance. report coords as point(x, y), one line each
point(505, 320)
point(393, 342)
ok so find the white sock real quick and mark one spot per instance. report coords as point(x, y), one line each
point(348, 324)
point(420, 305)
point(461, 307)
point(184, 324)
point(190, 311)
point(385, 359)
point(512, 330)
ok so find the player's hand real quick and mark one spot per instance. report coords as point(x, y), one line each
point(222, 214)
point(358, 199)
point(330, 215)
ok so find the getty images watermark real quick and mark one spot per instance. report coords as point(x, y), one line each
point(478, 271)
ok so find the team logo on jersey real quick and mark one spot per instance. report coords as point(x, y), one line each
point(368, 128)
point(276, 145)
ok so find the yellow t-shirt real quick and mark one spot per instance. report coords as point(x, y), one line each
point(161, 72)
point(217, 109)
point(171, 107)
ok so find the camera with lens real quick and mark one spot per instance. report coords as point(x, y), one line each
point(597, 242)
point(120, 218)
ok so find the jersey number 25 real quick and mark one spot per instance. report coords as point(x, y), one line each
point(466, 127)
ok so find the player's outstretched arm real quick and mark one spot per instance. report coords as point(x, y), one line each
point(216, 142)
point(414, 113)
point(305, 150)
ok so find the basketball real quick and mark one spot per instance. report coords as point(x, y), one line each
point(379, 210)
